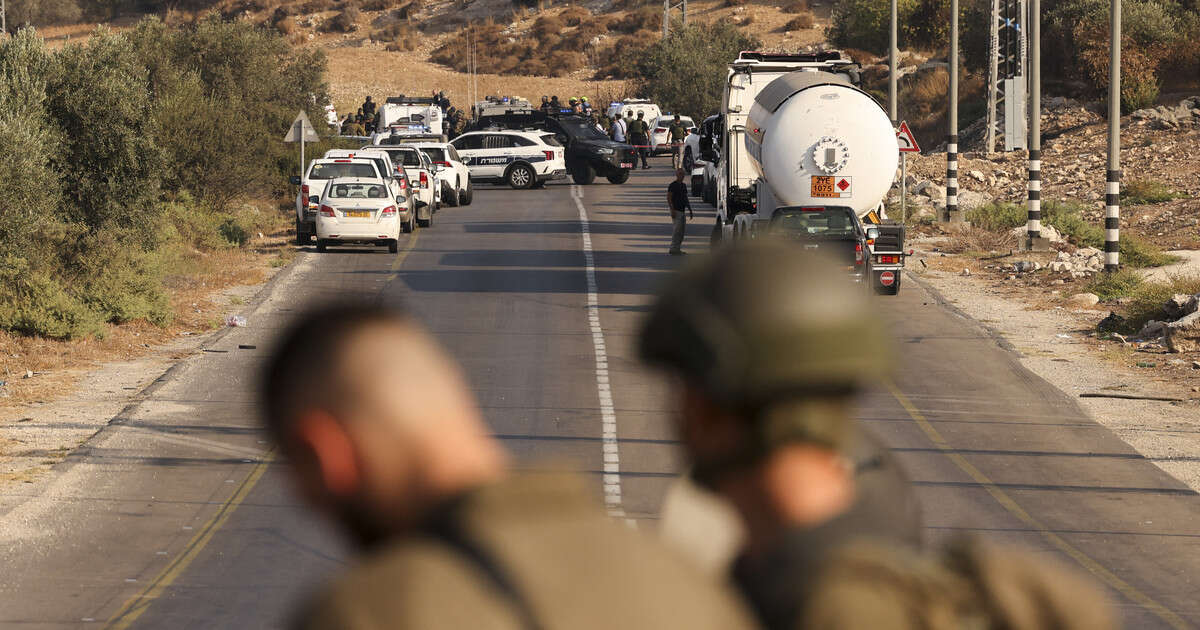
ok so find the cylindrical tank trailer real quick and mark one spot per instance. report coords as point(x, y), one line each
point(817, 140)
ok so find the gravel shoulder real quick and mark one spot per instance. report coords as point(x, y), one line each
point(36, 437)
point(1058, 344)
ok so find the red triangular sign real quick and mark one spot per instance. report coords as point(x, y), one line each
point(904, 137)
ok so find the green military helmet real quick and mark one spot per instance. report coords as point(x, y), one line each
point(765, 322)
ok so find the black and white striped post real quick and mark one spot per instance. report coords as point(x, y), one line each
point(1033, 226)
point(1112, 197)
point(952, 136)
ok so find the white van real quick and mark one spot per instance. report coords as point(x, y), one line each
point(635, 105)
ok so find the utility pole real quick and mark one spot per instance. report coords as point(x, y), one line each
point(892, 70)
point(1033, 226)
point(3, 18)
point(667, 9)
point(989, 138)
point(1112, 198)
point(952, 134)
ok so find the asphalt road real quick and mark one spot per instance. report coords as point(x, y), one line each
point(177, 515)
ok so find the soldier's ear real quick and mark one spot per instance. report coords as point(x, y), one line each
point(330, 450)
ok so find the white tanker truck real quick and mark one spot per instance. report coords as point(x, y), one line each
point(805, 150)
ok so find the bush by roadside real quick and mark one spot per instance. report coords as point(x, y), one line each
point(126, 151)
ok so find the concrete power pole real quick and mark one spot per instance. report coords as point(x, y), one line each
point(989, 140)
point(892, 70)
point(1112, 198)
point(952, 134)
point(3, 18)
point(1033, 226)
point(666, 18)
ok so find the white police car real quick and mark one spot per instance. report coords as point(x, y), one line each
point(521, 159)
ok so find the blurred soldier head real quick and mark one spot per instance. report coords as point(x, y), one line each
point(679, 174)
point(641, 115)
point(676, 117)
point(368, 98)
point(375, 418)
point(545, 99)
point(769, 344)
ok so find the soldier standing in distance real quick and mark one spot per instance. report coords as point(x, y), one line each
point(639, 136)
point(678, 201)
point(368, 107)
point(384, 436)
point(770, 345)
point(677, 134)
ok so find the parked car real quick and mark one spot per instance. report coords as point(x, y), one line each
point(359, 210)
point(588, 151)
point(453, 176)
point(522, 159)
point(421, 176)
point(660, 138)
point(312, 186)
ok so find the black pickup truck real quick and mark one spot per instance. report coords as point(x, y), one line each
point(588, 151)
point(871, 253)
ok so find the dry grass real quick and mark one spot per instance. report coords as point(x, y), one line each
point(796, 6)
point(800, 22)
point(974, 241)
point(58, 364)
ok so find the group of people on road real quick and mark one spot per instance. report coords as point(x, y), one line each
point(362, 122)
point(769, 347)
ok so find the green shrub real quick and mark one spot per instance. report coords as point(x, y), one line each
point(685, 72)
point(864, 24)
point(998, 216)
point(1135, 252)
point(1149, 297)
point(1136, 192)
point(41, 12)
point(35, 302)
point(1116, 284)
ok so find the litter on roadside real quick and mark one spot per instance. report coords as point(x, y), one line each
point(235, 321)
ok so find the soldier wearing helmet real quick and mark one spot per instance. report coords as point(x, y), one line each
point(770, 344)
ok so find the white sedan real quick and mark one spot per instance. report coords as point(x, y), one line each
point(660, 137)
point(359, 210)
point(452, 174)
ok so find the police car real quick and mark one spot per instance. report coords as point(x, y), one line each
point(521, 159)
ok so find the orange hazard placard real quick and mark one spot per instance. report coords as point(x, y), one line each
point(822, 186)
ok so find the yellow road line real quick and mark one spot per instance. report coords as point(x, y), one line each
point(139, 603)
point(1007, 502)
point(412, 242)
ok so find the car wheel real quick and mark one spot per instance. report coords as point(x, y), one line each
point(583, 174)
point(427, 222)
point(302, 236)
point(408, 226)
point(321, 245)
point(619, 178)
point(450, 197)
point(393, 246)
point(521, 177)
point(688, 162)
point(464, 196)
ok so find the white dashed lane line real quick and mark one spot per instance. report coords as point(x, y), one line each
point(608, 415)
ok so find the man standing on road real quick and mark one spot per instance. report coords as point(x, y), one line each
point(678, 133)
point(771, 344)
point(678, 201)
point(639, 136)
point(382, 433)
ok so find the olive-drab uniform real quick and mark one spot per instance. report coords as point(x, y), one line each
point(532, 552)
point(677, 133)
point(777, 336)
point(638, 133)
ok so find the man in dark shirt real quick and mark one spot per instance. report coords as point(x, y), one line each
point(677, 200)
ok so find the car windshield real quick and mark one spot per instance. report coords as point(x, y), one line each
point(407, 157)
point(582, 130)
point(830, 222)
point(356, 190)
point(332, 170)
point(437, 154)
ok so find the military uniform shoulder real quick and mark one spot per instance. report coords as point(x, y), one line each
point(418, 584)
